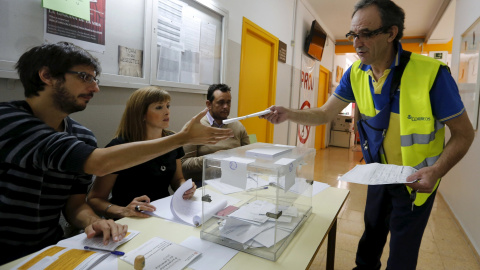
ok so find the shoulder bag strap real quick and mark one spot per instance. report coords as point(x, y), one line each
point(397, 75)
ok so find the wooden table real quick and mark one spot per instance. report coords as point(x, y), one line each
point(299, 253)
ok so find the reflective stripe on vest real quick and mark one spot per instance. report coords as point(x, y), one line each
point(422, 136)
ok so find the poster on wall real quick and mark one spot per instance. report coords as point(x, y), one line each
point(89, 35)
point(130, 62)
point(306, 134)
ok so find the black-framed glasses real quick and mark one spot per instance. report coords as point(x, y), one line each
point(364, 35)
point(85, 76)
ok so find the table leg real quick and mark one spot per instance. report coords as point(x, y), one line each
point(332, 235)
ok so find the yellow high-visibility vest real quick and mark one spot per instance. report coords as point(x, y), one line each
point(422, 135)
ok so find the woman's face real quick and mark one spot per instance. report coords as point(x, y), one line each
point(158, 115)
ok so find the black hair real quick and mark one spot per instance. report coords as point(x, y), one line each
point(222, 87)
point(390, 13)
point(58, 58)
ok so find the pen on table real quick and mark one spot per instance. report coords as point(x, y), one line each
point(120, 253)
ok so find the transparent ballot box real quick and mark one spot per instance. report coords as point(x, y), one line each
point(266, 196)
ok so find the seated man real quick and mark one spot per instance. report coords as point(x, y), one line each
point(218, 103)
point(47, 159)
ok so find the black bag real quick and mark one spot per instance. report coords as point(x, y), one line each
point(372, 131)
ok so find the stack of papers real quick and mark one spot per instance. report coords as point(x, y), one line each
point(56, 257)
point(72, 253)
point(268, 152)
point(250, 226)
point(378, 174)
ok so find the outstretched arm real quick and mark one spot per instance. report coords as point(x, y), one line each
point(310, 117)
point(103, 161)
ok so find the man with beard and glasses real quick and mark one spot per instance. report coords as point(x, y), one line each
point(47, 160)
point(218, 102)
point(412, 114)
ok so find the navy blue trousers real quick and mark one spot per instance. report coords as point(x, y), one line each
point(389, 209)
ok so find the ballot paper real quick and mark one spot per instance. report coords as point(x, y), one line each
point(378, 174)
point(268, 152)
point(230, 120)
point(250, 226)
point(189, 212)
point(81, 241)
point(214, 256)
point(162, 254)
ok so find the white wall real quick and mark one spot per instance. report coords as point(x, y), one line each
point(461, 186)
point(275, 16)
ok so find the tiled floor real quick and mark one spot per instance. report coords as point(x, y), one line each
point(443, 245)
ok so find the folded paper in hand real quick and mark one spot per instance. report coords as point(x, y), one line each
point(378, 174)
point(230, 120)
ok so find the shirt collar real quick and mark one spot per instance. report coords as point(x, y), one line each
point(211, 121)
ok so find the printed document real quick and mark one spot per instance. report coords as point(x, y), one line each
point(56, 257)
point(378, 174)
point(214, 256)
point(189, 212)
point(162, 254)
point(80, 241)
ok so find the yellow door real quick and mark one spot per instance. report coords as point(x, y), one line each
point(323, 84)
point(258, 73)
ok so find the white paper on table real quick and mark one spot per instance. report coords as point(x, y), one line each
point(234, 171)
point(162, 254)
point(378, 174)
point(190, 211)
point(80, 241)
point(214, 256)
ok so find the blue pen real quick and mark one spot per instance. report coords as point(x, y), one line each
point(119, 253)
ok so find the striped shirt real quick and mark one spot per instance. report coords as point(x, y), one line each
point(39, 169)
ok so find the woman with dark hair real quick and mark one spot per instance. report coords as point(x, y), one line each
point(146, 117)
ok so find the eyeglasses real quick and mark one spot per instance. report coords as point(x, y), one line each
point(364, 35)
point(85, 76)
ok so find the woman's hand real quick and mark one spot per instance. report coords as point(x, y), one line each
point(137, 206)
point(189, 193)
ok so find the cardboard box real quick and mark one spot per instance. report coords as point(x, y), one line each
point(343, 123)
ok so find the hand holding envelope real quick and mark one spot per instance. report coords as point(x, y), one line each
point(230, 120)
